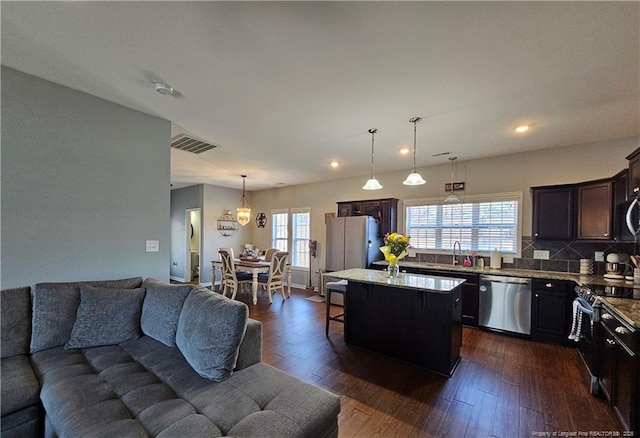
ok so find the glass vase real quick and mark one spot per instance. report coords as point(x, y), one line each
point(393, 271)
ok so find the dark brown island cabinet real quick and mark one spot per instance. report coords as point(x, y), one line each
point(618, 348)
point(414, 318)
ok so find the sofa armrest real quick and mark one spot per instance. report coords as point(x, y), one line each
point(251, 346)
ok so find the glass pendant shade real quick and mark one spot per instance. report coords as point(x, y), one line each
point(243, 213)
point(372, 183)
point(414, 178)
point(452, 198)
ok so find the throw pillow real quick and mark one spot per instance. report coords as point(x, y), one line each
point(55, 306)
point(210, 330)
point(106, 317)
point(161, 310)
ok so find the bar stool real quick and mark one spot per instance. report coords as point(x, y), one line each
point(338, 287)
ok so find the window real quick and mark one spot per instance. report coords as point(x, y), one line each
point(301, 233)
point(280, 229)
point(479, 223)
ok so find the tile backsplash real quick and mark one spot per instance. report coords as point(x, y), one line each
point(564, 256)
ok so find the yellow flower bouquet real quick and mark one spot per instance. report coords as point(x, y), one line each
point(396, 247)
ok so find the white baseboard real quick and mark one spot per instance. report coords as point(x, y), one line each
point(180, 279)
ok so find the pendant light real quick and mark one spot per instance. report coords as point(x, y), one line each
point(243, 213)
point(452, 196)
point(372, 183)
point(414, 178)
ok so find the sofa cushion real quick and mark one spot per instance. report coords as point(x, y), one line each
point(210, 330)
point(20, 387)
point(55, 306)
point(106, 317)
point(161, 310)
point(15, 321)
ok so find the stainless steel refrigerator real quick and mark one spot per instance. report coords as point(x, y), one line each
point(352, 242)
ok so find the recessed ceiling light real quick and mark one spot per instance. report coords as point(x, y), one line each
point(334, 164)
point(404, 150)
point(164, 89)
point(522, 128)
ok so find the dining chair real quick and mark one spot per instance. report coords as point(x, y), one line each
point(268, 255)
point(230, 278)
point(274, 279)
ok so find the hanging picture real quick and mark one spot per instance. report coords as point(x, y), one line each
point(261, 220)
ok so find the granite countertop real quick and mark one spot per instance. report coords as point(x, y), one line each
point(627, 309)
point(429, 283)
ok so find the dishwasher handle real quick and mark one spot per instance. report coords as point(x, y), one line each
point(501, 279)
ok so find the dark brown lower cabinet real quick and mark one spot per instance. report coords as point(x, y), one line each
point(617, 345)
point(416, 326)
point(551, 310)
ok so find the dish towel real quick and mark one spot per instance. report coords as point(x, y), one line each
point(580, 307)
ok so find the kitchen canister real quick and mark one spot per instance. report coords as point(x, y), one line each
point(496, 259)
point(586, 266)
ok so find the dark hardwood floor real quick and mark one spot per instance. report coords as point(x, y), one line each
point(503, 386)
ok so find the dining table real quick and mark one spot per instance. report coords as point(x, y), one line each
point(255, 267)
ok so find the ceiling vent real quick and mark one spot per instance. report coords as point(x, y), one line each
point(190, 144)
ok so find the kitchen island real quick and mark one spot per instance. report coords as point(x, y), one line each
point(414, 318)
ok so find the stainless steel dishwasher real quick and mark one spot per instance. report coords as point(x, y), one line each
point(505, 303)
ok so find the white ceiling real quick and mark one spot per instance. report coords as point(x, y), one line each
point(285, 87)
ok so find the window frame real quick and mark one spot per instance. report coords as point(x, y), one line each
point(295, 240)
point(491, 197)
point(274, 239)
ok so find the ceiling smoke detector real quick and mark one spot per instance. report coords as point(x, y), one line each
point(164, 89)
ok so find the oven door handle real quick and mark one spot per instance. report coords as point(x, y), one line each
point(632, 229)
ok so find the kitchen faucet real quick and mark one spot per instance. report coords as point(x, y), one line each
point(455, 261)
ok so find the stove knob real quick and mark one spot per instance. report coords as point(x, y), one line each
point(607, 317)
point(622, 330)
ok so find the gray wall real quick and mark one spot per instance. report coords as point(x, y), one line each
point(84, 183)
point(181, 200)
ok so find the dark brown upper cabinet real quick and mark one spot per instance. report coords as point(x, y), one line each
point(634, 173)
point(385, 211)
point(595, 205)
point(553, 212)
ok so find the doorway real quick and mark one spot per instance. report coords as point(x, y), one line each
point(193, 236)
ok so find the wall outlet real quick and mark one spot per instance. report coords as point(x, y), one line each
point(507, 259)
point(599, 256)
point(153, 246)
point(541, 254)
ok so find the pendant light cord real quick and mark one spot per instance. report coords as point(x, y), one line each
point(243, 197)
point(415, 121)
point(372, 131)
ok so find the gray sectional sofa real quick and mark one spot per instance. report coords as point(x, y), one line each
point(129, 358)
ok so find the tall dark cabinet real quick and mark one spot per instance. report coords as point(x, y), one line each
point(634, 173)
point(385, 211)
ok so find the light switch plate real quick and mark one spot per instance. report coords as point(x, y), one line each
point(153, 245)
point(599, 256)
point(541, 254)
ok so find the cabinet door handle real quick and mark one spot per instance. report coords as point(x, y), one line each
point(607, 316)
point(537, 295)
point(611, 342)
point(536, 234)
point(621, 330)
point(549, 285)
point(606, 234)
